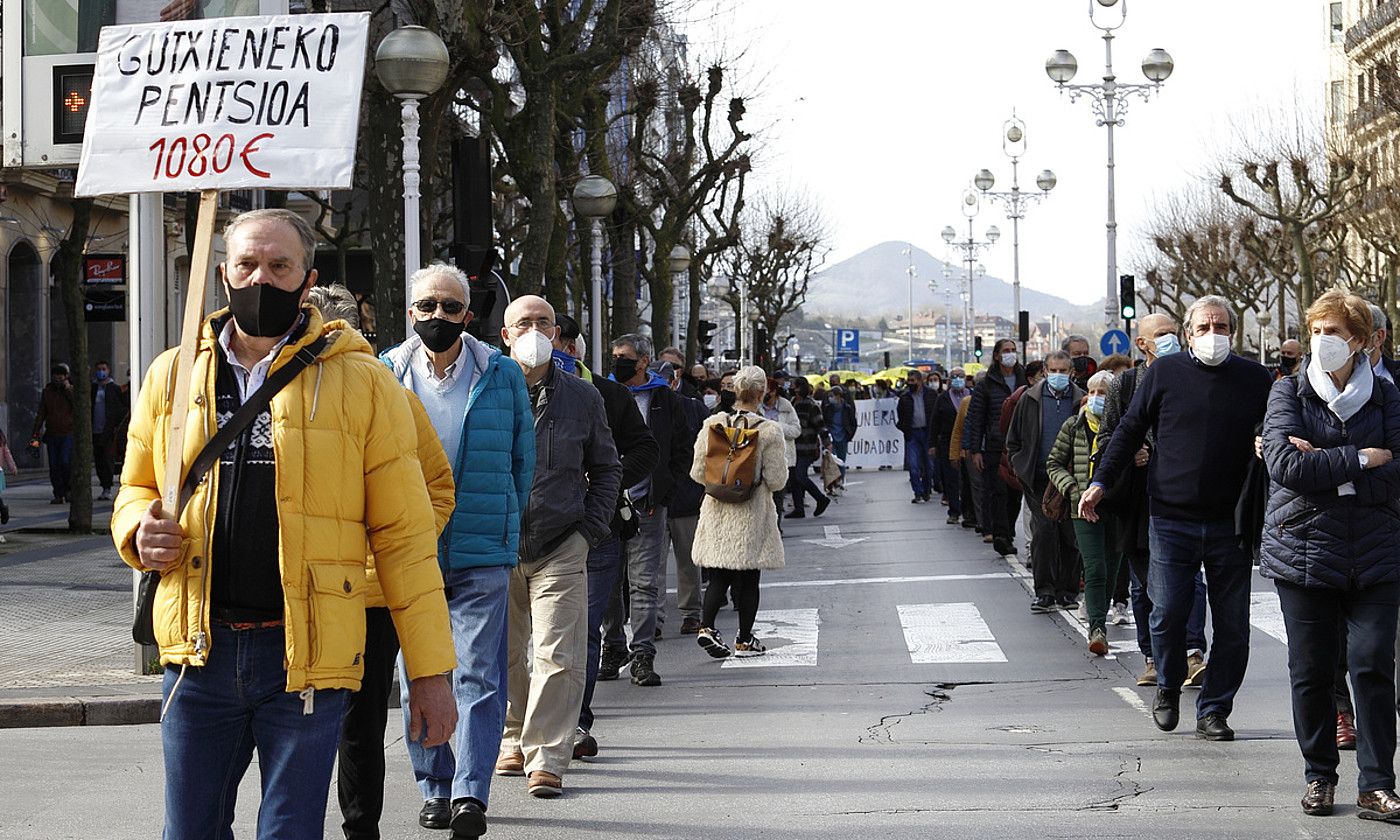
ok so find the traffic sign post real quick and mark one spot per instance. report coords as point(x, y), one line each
point(1114, 341)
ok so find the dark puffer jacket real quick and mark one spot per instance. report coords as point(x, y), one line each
point(1312, 536)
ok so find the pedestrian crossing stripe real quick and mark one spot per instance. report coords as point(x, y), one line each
point(947, 634)
point(1265, 614)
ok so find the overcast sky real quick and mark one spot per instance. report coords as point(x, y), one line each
point(882, 111)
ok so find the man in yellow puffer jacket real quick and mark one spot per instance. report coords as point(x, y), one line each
point(260, 614)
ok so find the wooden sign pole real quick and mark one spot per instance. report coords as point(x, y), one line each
point(189, 344)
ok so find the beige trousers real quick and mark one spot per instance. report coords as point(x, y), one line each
point(549, 612)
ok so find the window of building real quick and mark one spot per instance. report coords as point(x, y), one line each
point(1334, 11)
point(1361, 89)
point(1339, 102)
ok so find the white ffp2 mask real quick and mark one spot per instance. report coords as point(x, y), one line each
point(532, 349)
point(1332, 352)
point(1211, 349)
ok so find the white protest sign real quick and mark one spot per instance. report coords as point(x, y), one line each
point(877, 442)
point(225, 103)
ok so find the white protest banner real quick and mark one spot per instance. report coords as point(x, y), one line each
point(877, 442)
point(225, 103)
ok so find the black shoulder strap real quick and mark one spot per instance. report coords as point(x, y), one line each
point(246, 413)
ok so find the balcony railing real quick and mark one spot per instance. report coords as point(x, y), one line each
point(1384, 15)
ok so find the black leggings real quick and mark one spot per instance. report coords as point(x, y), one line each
point(744, 586)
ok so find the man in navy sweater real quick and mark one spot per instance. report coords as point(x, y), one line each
point(1204, 407)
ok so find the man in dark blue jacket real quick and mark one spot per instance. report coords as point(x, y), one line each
point(1204, 407)
point(983, 440)
point(914, 416)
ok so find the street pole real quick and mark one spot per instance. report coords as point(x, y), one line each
point(1109, 101)
point(412, 237)
point(595, 312)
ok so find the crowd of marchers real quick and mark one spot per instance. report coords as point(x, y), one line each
point(1162, 484)
point(489, 529)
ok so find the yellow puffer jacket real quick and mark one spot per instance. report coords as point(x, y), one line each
point(348, 484)
point(442, 490)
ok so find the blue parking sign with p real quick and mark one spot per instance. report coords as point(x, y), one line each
point(848, 341)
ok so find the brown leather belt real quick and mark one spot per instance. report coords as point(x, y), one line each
point(250, 625)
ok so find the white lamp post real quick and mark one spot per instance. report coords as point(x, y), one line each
point(1013, 143)
point(594, 199)
point(971, 248)
point(411, 62)
point(680, 264)
point(913, 274)
point(1110, 103)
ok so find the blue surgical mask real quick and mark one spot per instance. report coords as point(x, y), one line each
point(1096, 404)
point(1167, 344)
point(959, 383)
point(1057, 381)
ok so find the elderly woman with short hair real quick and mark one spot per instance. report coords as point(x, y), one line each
point(1331, 544)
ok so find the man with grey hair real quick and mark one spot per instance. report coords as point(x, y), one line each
point(1383, 366)
point(573, 495)
point(647, 551)
point(1205, 407)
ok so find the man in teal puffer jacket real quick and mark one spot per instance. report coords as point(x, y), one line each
point(477, 402)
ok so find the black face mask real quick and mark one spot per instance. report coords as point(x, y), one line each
point(1287, 362)
point(726, 400)
point(438, 334)
point(263, 310)
point(624, 369)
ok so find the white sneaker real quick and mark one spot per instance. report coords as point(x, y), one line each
point(1083, 612)
point(1118, 614)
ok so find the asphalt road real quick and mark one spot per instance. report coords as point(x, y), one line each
point(908, 693)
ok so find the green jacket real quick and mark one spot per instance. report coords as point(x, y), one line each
point(1068, 464)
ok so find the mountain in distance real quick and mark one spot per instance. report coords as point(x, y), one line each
point(874, 284)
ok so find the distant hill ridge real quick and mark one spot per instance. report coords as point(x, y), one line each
point(875, 284)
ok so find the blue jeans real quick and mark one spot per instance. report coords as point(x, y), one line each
point(1179, 549)
point(839, 448)
point(646, 573)
point(236, 703)
point(60, 450)
point(1142, 608)
point(1315, 618)
point(604, 567)
point(478, 601)
point(916, 461)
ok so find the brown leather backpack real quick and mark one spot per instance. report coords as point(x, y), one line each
point(731, 459)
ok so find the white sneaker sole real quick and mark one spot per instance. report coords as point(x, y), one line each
point(745, 654)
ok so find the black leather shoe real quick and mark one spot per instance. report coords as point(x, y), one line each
point(1317, 802)
point(1165, 711)
point(436, 813)
point(822, 506)
point(468, 819)
point(1213, 727)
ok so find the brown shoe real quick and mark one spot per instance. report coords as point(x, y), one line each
point(1381, 805)
point(1346, 731)
point(1317, 802)
point(1195, 671)
point(690, 626)
point(545, 785)
point(1149, 674)
point(510, 764)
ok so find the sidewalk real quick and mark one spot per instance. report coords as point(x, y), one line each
point(66, 655)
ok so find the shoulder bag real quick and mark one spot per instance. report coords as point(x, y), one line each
point(143, 624)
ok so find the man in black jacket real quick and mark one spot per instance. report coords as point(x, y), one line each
point(636, 449)
point(646, 553)
point(1204, 407)
point(109, 409)
point(982, 439)
point(914, 416)
point(945, 416)
point(839, 415)
point(682, 517)
point(810, 443)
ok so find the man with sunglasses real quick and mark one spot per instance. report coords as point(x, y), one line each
point(476, 400)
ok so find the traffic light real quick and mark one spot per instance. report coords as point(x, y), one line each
point(1127, 296)
point(705, 337)
point(977, 346)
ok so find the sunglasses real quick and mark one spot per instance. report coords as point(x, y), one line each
point(428, 306)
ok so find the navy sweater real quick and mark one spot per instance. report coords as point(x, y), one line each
point(1204, 419)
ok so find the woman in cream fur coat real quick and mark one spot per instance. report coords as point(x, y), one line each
point(737, 540)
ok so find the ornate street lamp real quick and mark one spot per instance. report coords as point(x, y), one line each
point(594, 199)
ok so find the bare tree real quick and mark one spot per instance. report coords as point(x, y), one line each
point(68, 271)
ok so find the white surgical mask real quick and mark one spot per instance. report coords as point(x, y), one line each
point(532, 349)
point(1096, 404)
point(711, 400)
point(1211, 348)
point(1166, 345)
point(1008, 360)
point(1332, 352)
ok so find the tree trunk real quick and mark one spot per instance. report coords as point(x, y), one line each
point(1307, 284)
point(624, 274)
point(384, 214)
point(1392, 308)
point(535, 174)
point(68, 263)
point(692, 327)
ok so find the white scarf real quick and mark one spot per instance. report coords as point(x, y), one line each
point(1346, 402)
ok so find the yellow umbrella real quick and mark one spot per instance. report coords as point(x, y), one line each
point(894, 374)
point(814, 379)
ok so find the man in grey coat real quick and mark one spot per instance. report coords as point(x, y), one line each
point(577, 479)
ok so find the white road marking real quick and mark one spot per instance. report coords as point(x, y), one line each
point(790, 636)
point(791, 584)
point(948, 633)
point(1265, 614)
point(833, 538)
point(1132, 699)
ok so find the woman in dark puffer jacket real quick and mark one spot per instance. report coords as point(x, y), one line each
point(1332, 546)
